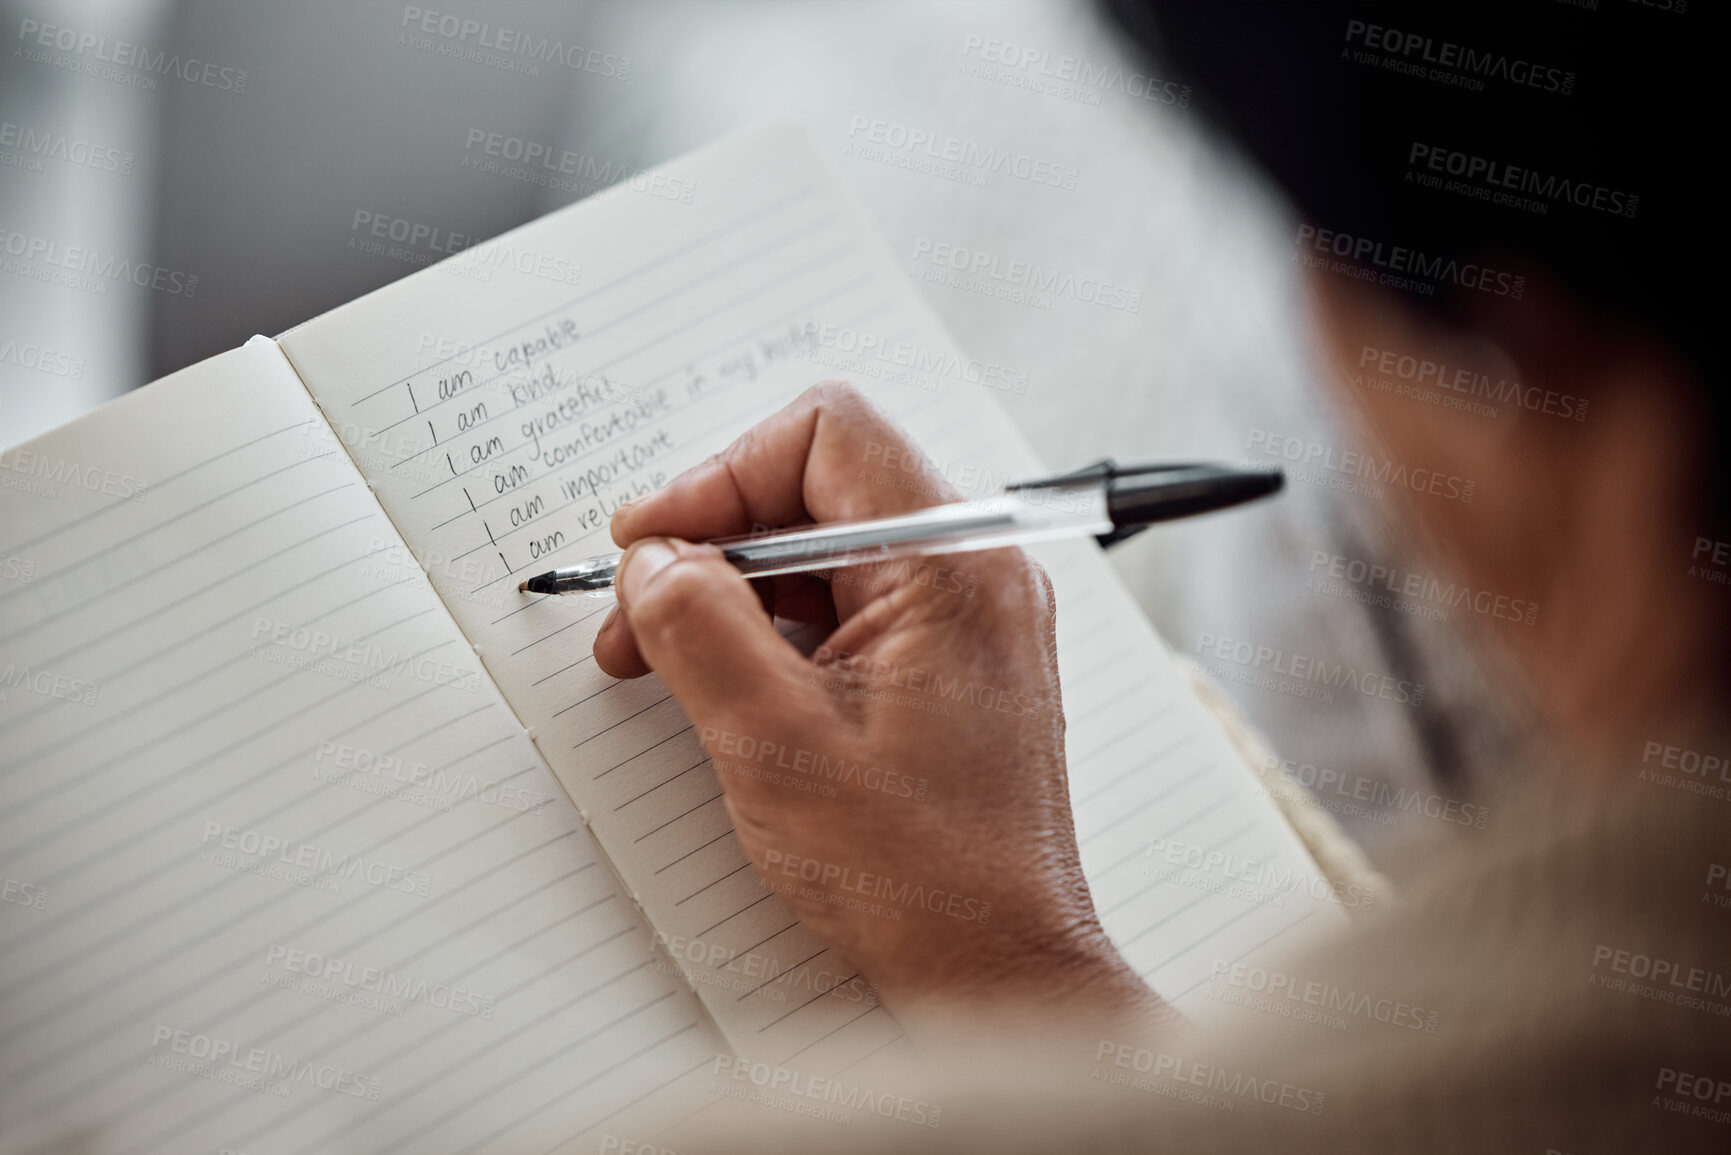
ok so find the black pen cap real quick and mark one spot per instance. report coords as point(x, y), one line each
point(1141, 499)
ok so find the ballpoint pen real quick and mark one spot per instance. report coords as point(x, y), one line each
point(1108, 500)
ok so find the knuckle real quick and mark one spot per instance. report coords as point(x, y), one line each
point(843, 402)
point(743, 448)
point(1036, 573)
point(1042, 580)
point(1018, 589)
point(835, 394)
point(1021, 579)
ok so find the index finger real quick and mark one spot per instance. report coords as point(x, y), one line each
point(811, 461)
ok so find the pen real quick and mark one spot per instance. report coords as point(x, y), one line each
point(1108, 500)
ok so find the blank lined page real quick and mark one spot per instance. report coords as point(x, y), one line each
point(282, 871)
point(502, 416)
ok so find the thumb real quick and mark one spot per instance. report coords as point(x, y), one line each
point(699, 624)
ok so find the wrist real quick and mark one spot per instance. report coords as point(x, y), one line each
point(1068, 982)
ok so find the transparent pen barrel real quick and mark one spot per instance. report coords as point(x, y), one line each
point(1017, 518)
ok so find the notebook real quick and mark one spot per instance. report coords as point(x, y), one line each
point(316, 835)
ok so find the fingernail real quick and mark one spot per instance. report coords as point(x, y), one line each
point(646, 561)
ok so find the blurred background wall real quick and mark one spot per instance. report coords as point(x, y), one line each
point(233, 145)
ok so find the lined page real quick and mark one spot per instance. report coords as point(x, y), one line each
point(502, 419)
point(282, 871)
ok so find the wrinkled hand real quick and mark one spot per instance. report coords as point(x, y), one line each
point(903, 789)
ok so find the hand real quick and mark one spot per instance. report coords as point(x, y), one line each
point(903, 790)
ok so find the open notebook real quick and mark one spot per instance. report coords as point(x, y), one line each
point(317, 836)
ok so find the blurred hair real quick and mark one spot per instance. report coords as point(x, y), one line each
point(1612, 95)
